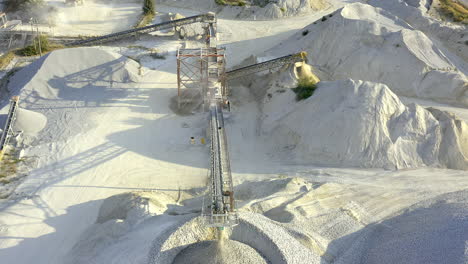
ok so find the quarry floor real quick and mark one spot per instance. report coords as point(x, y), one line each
point(137, 143)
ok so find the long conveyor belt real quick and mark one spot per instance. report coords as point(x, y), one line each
point(222, 199)
point(266, 65)
point(208, 17)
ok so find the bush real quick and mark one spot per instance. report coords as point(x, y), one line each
point(231, 2)
point(305, 88)
point(33, 50)
point(148, 7)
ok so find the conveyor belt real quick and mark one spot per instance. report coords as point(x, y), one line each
point(208, 17)
point(262, 66)
point(222, 193)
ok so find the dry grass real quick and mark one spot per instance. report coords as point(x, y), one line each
point(231, 2)
point(9, 166)
point(455, 10)
point(6, 59)
point(145, 20)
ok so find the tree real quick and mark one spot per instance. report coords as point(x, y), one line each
point(148, 7)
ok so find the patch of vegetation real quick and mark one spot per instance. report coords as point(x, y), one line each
point(148, 7)
point(40, 44)
point(455, 10)
point(149, 11)
point(16, 5)
point(283, 9)
point(231, 2)
point(138, 47)
point(9, 166)
point(305, 32)
point(145, 20)
point(324, 18)
point(6, 59)
point(305, 88)
point(262, 3)
point(466, 42)
point(157, 56)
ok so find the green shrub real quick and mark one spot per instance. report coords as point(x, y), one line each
point(33, 49)
point(231, 2)
point(305, 88)
point(148, 7)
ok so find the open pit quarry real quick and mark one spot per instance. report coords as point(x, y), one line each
point(188, 140)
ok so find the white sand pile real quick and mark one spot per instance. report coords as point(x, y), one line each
point(117, 216)
point(267, 9)
point(454, 136)
point(86, 77)
point(260, 234)
point(29, 122)
point(418, 14)
point(367, 43)
point(79, 69)
point(258, 9)
point(433, 231)
point(219, 252)
point(355, 123)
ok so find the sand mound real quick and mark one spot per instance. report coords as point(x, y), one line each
point(355, 123)
point(367, 43)
point(85, 78)
point(117, 216)
point(128, 206)
point(79, 69)
point(219, 252)
point(258, 9)
point(29, 122)
point(256, 190)
point(433, 231)
point(257, 232)
point(418, 14)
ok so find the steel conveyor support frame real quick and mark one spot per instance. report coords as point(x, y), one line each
point(7, 130)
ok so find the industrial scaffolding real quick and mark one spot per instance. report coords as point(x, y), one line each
point(200, 76)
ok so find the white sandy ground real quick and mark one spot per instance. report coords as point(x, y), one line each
point(110, 131)
point(94, 18)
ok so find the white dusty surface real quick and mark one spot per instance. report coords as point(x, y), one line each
point(376, 131)
point(110, 131)
point(367, 43)
point(269, 10)
point(94, 18)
